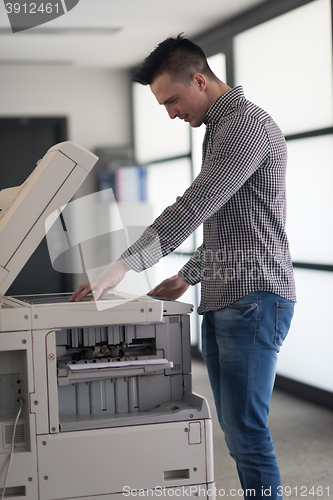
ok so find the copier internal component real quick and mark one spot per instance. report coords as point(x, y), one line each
point(108, 407)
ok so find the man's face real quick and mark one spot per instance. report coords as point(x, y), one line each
point(189, 103)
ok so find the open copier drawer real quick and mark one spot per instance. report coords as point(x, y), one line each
point(103, 394)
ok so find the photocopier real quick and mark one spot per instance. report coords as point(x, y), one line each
point(96, 403)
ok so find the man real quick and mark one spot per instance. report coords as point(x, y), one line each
point(244, 265)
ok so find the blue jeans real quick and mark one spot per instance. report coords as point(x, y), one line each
point(239, 345)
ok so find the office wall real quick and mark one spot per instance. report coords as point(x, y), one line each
point(95, 101)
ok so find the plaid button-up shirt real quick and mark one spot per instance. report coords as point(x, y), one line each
point(240, 197)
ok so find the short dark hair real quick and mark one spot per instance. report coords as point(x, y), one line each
point(177, 56)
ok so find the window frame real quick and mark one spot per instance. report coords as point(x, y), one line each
point(220, 39)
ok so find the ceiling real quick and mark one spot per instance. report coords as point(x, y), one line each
point(111, 33)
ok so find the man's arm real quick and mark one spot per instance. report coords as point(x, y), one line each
point(235, 156)
point(231, 162)
point(171, 288)
point(174, 287)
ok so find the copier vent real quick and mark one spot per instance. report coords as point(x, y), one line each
point(19, 434)
point(6, 435)
point(176, 367)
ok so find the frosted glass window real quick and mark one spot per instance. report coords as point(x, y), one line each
point(166, 181)
point(306, 355)
point(156, 136)
point(217, 64)
point(310, 199)
point(285, 66)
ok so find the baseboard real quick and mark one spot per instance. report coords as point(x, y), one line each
point(304, 391)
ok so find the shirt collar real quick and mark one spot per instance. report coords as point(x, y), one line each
point(223, 103)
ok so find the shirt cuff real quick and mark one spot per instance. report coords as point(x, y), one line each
point(144, 253)
point(191, 273)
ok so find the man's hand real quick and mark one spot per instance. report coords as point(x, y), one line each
point(171, 288)
point(109, 278)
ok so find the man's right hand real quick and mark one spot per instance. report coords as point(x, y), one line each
point(171, 288)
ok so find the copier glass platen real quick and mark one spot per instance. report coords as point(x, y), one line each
point(99, 401)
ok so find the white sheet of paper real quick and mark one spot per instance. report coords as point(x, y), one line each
point(115, 364)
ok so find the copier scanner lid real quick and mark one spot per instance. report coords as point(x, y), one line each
point(24, 209)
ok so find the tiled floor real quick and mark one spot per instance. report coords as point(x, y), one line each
point(303, 438)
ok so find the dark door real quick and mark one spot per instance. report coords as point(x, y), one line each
point(23, 141)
